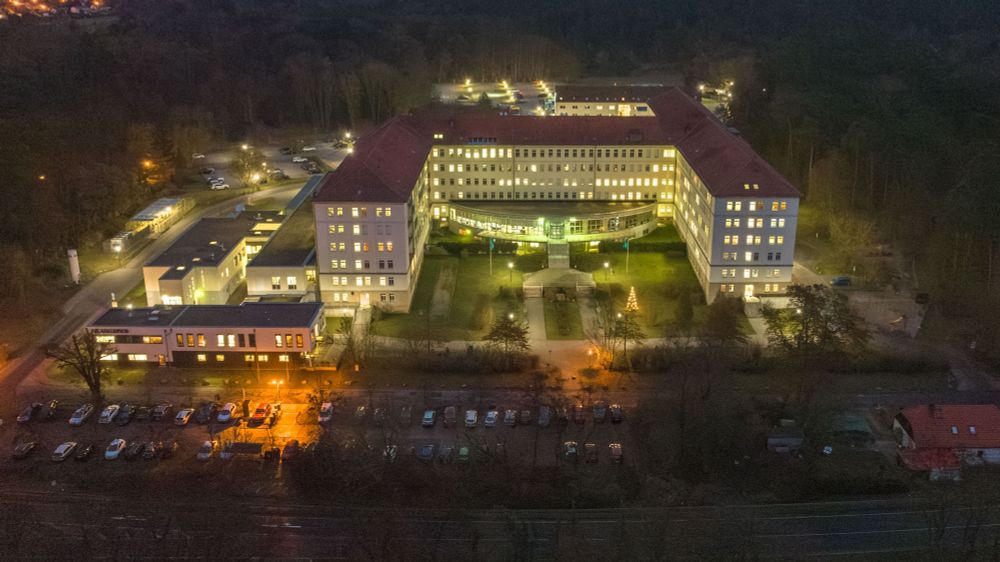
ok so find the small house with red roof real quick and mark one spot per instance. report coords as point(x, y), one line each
point(941, 437)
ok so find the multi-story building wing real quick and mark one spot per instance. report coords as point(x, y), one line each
point(553, 180)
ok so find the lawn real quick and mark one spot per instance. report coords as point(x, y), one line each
point(658, 279)
point(562, 321)
point(476, 299)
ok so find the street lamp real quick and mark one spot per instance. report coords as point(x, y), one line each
point(607, 267)
point(244, 146)
point(510, 316)
point(510, 272)
point(277, 387)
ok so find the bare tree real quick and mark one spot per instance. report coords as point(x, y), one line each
point(85, 354)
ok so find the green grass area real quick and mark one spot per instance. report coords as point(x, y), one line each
point(135, 297)
point(664, 234)
point(562, 321)
point(658, 279)
point(477, 297)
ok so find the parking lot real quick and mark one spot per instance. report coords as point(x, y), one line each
point(376, 424)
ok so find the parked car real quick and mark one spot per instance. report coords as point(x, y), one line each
point(260, 415)
point(491, 418)
point(463, 455)
point(426, 452)
point(275, 415)
point(285, 150)
point(590, 452)
point(162, 411)
point(446, 455)
point(450, 416)
point(579, 413)
point(29, 412)
point(219, 186)
point(510, 418)
point(81, 414)
point(616, 413)
point(326, 412)
point(197, 156)
point(205, 451)
point(299, 159)
point(83, 452)
point(50, 412)
point(207, 171)
point(63, 451)
point(600, 412)
point(226, 413)
point(360, 412)
point(114, 449)
point(109, 413)
point(616, 452)
point(290, 450)
point(143, 413)
point(24, 450)
point(841, 281)
point(133, 450)
point(569, 451)
point(151, 449)
point(429, 418)
point(471, 417)
point(525, 417)
point(404, 415)
point(125, 415)
point(216, 179)
point(206, 412)
point(183, 416)
point(544, 416)
point(308, 149)
point(562, 415)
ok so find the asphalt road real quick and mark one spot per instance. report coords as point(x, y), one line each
point(55, 524)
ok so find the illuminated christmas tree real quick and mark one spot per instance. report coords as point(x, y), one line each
point(632, 304)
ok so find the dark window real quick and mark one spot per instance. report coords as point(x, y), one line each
point(253, 339)
point(243, 340)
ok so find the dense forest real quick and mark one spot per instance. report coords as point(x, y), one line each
point(885, 112)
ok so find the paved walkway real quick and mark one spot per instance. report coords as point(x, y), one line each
point(535, 309)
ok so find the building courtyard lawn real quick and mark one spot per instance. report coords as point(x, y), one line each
point(475, 299)
point(563, 321)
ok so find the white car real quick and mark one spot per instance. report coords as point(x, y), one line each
point(183, 416)
point(215, 180)
point(205, 451)
point(109, 414)
point(471, 417)
point(308, 149)
point(299, 159)
point(491, 418)
point(197, 156)
point(325, 412)
point(217, 186)
point(226, 413)
point(114, 450)
point(63, 451)
point(81, 414)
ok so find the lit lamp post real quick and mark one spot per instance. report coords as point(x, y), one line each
point(510, 272)
point(277, 389)
point(607, 268)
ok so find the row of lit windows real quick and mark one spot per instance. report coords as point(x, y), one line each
point(293, 283)
point(249, 358)
point(358, 212)
point(361, 246)
point(494, 152)
point(366, 281)
point(768, 288)
point(750, 256)
point(755, 223)
point(751, 240)
point(750, 273)
point(756, 205)
point(129, 339)
point(237, 340)
point(130, 357)
point(361, 264)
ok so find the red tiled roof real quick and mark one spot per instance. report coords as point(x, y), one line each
point(930, 459)
point(931, 426)
point(387, 160)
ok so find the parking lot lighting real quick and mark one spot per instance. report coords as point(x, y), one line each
point(347, 134)
point(350, 150)
point(510, 316)
point(510, 272)
point(607, 267)
point(277, 387)
point(244, 146)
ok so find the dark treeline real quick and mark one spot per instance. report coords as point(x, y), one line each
point(885, 112)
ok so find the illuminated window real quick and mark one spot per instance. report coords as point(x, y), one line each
point(298, 340)
point(262, 358)
point(138, 357)
point(283, 358)
point(202, 358)
point(201, 340)
point(221, 340)
point(277, 340)
point(104, 339)
point(180, 340)
point(232, 340)
point(152, 339)
point(220, 357)
point(275, 283)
